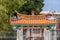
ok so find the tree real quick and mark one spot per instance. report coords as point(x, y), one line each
point(7, 8)
point(30, 5)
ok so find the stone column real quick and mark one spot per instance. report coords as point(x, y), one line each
point(20, 33)
point(55, 35)
point(46, 34)
point(55, 32)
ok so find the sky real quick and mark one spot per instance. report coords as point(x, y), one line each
point(53, 5)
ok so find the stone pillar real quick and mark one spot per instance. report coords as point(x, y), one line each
point(20, 33)
point(46, 34)
point(55, 35)
point(28, 33)
point(55, 32)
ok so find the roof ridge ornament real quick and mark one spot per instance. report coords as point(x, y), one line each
point(18, 13)
point(33, 12)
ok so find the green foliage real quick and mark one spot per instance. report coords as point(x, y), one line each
point(30, 5)
point(7, 8)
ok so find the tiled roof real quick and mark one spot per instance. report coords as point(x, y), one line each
point(33, 22)
point(30, 16)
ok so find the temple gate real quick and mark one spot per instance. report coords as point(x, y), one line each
point(33, 27)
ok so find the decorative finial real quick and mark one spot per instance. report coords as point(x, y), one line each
point(33, 12)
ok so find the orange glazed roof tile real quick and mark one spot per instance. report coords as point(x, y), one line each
point(33, 22)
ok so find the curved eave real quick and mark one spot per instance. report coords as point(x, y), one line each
point(33, 22)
